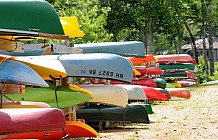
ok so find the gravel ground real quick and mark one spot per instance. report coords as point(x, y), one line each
point(179, 119)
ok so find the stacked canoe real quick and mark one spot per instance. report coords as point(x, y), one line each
point(178, 71)
point(30, 93)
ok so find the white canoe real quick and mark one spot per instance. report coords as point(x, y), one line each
point(135, 92)
point(107, 94)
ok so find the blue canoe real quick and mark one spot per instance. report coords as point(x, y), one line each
point(95, 65)
point(129, 48)
point(19, 73)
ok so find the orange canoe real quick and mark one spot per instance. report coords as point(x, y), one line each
point(74, 129)
point(146, 59)
point(179, 92)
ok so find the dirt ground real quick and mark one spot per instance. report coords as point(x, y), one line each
point(179, 119)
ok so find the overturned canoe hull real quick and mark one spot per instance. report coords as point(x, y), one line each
point(65, 96)
point(135, 92)
point(128, 48)
point(95, 65)
point(115, 114)
point(31, 120)
point(31, 15)
point(179, 92)
point(107, 94)
point(19, 73)
point(73, 129)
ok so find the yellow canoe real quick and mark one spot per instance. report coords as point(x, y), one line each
point(71, 27)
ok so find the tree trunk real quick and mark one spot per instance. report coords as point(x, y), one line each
point(204, 36)
point(189, 31)
point(211, 56)
point(149, 36)
point(210, 39)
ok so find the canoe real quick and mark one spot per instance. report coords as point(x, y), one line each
point(19, 73)
point(33, 18)
point(164, 91)
point(135, 92)
point(107, 94)
point(31, 120)
point(191, 75)
point(168, 85)
point(183, 66)
point(153, 94)
point(147, 106)
point(179, 92)
point(160, 82)
point(42, 66)
point(65, 96)
point(128, 48)
point(187, 82)
point(142, 60)
point(148, 70)
point(115, 114)
point(176, 84)
point(143, 82)
point(95, 65)
point(175, 74)
point(74, 129)
point(24, 104)
point(174, 58)
point(42, 49)
point(71, 27)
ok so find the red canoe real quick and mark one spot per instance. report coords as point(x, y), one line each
point(153, 94)
point(149, 70)
point(24, 104)
point(143, 82)
point(31, 120)
point(74, 129)
point(179, 92)
point(174, 58)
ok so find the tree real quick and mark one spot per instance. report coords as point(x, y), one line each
point(92, 18)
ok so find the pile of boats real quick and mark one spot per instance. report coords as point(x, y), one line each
point(56, 91)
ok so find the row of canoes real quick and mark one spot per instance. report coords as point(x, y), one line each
point(33, 70)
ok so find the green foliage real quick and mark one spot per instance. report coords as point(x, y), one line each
point(91, 17)
point(201, 73)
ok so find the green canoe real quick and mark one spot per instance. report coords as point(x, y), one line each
point(160, 82)
point(66, 97)
point(136, 113)
point(184, 66)
point(29, 15)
